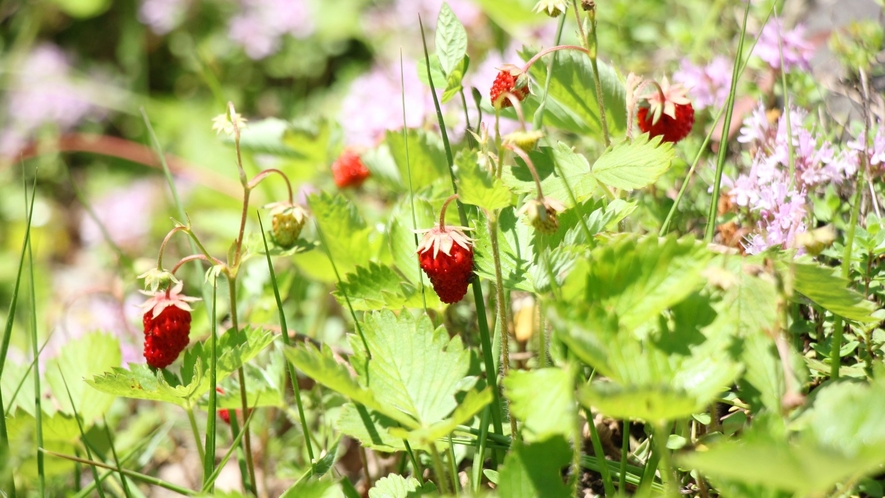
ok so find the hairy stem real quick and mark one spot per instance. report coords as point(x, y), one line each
point(502, 313)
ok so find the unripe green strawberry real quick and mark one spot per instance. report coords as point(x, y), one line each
point(288, 220)
point(525, 140)
point(541, 214)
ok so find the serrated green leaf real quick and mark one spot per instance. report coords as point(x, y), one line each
point(841, 436)
point(535, 470)
point(477, 186)
point(397, 486)
point(377, 287)
point(414, 368)
point(140, 382)
point(560, 169)
point(829, 291)
point(103, 352)
point(633, 165)
point(469, 406)
point(573, 86)
point(345, 234)
point(638, 278)
point(451, 39)
point(370, 428)
point(402, 239)
point(426, 157)
point(544, 400)
point(514, 244)
point(312, 488)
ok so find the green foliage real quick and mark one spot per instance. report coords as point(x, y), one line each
point(633, 165)
point(573, 87)
point(535, 470)
point(477, 186)
point(397, 486)
point(831, 292)
point(313, 489)
point(410, 374)
point(141, 382)
point(560, 169)
point(420, 152)
point(344, 234)
point(543, 400)
point(103, 351)
point(378, 287)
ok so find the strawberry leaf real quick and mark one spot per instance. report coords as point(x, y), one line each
point(560, 169)
point(633, 165)
point(425, 157)
point(378, 287)
point(535, 470)
point(403, 241)
point(345, 234)
point(451, 40)
point(477, 186)
point(544, 400)
point(103, 351)
point(397, 486)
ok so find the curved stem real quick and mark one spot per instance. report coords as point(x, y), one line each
point(166, 241)
point(517, 106)
point(264, 174)
point(442, 211)
point(546, 51)
point(194, 257)
point(528, 162)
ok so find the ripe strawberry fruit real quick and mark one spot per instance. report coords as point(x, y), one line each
point(666, 112)
point(446, 256)
point(167, 324)
point(348, 170)
point(511, 78)
point(288, 220)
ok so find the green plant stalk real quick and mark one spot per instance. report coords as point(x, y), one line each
point(543, 336)
point(538, 118)
point(284, 331)
point(482, 321)
point(668, 472)
point(402, 78)
point(196, 433)
point(79, 426)
point(211, 420)
point(453, 468)
point(838, 326)
point(356, 322)
point(723, 141)
point(37, 389)
point(416, 465)
point(625, 450)
point(648, 473)
point(123, 480)
point(592, 47)
point(131, 473)
point(439, 470)
point(502, 313)
point(600, 453)
point(241, 378)
point(479, 455)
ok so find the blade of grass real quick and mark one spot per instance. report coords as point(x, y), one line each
point(726, 125)
point(236, 443)
point(21, 382)
point(82, 432)
point(131, 473)
point(481, 318)
point(38, 403)
point(116, 458)
point(600, 453)
point(402, 78)
point(284, 330)
point(196, 433)
point(209, 461)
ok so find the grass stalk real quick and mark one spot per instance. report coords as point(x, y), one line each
point(38, 411)
point(723, 141)
point(212, 418)
point(482, 319)
point(284, 331)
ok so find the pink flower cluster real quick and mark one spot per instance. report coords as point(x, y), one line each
point(261, 25)
point(707, 85)
point(778, 202)
point(797, 51)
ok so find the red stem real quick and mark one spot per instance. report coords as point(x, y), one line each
point(442, 212)
point(264, 174)
point(193, 257)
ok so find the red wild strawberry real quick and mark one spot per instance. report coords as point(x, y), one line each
point(167, 324)
point(446, 256)
point(666, 112)
point(511, 78)
point(348, 170)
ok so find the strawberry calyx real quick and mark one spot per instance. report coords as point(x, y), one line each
point(663, 99)
point(163, 299)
